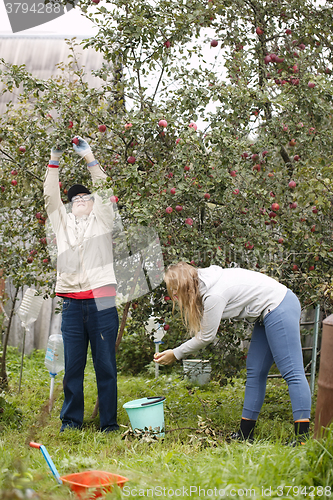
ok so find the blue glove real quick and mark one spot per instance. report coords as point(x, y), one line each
point(82, 148)
point(56, 153)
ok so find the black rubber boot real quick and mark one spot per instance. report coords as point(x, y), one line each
point(245, 432)
point(301, 432)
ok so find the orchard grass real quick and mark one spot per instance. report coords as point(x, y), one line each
point(195, 452)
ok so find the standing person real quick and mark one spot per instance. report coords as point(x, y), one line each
point(205, 296)
point(86, 281)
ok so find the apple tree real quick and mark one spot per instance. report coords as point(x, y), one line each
point(213, 122)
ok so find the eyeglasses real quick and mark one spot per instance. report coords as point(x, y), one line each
point(83, 197)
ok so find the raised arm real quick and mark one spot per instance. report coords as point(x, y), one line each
point(103, 206)
point(54, 206)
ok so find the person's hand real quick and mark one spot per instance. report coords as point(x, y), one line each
point(165, 358)
point(56, 154)
point(81, 147)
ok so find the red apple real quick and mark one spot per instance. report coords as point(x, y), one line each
point(313, 229)
point(168, 210)
point(315, 210)
point(256, 167)
point(114, 199)
point(249, 246)
point(207, 196)
point(311, 85)
point(293, 205)
point(233, 173)
point(166, 327)
point(96, 1)
point(173, 191)
point(296, 157)
point(244, 155)
point(102, 128)
point(259, 31)
point(214, 43)
point(166, 298)
point(70, 125)
point(14, 182)
point(311, 268)
point(162, 123)
point(186, 168)
point(128, 125)
point(179, 208)
point(272, 215)
point(292, 184)
point(267, 59)
point(45, 261)
point(193, 125)
point(236, 191)
point(177, 140)
point(272, 194)
point(30, 260)
point(295, 267)
point(275, 206)
point(301, 46)
point(292, 142)
point(14, 172)
point(38, 215)
point(189, 221)
point(131, 159)
point(22, 149)
point(288, 31)
point(280, 240)
point(75, 141)
point(167, 44)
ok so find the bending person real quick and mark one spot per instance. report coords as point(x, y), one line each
point(86, 281)
point(206, 296)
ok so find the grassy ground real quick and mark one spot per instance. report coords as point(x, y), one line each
point(194, 459)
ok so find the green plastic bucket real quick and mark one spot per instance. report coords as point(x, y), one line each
point(147, 414)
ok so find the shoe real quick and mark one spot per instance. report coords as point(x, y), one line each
point(298, 441)
point(69, 425)
point(238, 436)
point(110, 428)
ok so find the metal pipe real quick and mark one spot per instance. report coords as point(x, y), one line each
point(314, 349)
point(324, 407)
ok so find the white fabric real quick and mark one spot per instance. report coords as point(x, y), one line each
point(84, 247)
point(231, 293)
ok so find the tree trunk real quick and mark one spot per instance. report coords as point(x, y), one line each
point(3, 373)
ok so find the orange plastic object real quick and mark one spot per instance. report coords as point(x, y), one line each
point(93, 483)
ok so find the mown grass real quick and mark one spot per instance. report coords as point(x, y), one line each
point(194, 459)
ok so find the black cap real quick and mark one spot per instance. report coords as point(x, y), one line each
point(77, 189)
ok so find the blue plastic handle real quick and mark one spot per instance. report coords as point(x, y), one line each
point(50, 463)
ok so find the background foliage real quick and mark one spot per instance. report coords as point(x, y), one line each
point(260, 97)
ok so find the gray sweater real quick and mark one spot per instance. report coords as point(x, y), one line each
point(231, 293)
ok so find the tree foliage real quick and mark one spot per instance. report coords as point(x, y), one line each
point(261, 103)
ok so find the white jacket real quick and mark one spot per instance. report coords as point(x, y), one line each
point(84, 247)
point(231, 293)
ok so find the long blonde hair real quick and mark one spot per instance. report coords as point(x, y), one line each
point(183, 285)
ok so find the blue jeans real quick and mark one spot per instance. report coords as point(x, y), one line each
point(94, 321)
point(277, 339)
